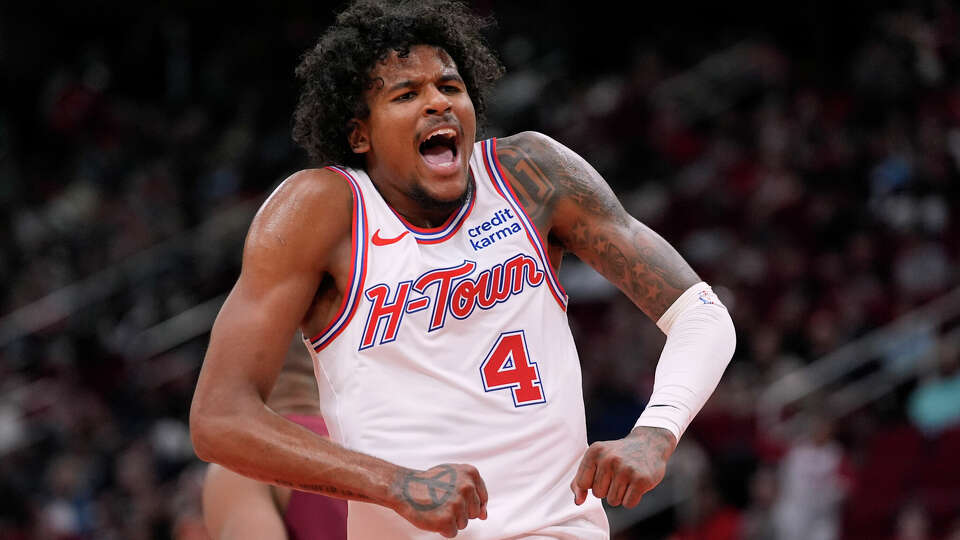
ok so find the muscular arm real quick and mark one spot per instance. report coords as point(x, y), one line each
point(575, 208)
point(287, 252)
point(299, 236)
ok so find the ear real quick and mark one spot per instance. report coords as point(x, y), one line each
point(359, 137)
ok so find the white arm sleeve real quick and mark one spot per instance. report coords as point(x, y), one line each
point(700, 343)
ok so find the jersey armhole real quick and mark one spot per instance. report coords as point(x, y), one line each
point(500, 183)
point(358, 268)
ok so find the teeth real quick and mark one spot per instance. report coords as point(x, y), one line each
point(445, 132)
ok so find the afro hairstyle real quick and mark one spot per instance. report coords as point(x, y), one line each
point(337, 71)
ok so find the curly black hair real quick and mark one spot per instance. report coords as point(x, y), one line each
point(336, 72)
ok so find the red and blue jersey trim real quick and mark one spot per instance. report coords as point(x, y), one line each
point(495, 172)
point(358, 272)
point(443, 232)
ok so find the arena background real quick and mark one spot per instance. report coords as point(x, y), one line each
point(803, 156)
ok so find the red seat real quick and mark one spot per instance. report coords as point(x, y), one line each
point(884, 479)
point(939, 479)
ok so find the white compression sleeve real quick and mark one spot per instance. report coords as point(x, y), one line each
point(700, 343)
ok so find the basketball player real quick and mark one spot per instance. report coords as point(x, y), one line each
point(420, 266)
point(236, 507)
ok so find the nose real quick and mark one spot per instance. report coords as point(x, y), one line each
point(437, 102)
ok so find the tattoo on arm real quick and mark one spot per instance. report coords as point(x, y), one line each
point(532, 186)
point(640, 448)
point(568, 200)
point(426, 491)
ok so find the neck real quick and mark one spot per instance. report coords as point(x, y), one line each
point(418, 208)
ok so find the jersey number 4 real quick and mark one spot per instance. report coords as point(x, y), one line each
point(508, 365)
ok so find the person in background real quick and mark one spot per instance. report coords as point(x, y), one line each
point(935, 404)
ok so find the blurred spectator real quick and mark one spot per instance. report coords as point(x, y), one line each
point(912, 524)
point(813, 483)
point(935, 404)
point(758, 519)
point(706, 516)
point(954, 532)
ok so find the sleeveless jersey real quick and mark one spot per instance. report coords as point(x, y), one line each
point(452, 346)
point(311, 516)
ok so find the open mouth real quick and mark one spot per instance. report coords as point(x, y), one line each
point(440, 148)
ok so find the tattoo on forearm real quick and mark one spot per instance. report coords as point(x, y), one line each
point(629, 254)
point(428, 491)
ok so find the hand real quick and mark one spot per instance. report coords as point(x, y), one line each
point(441, 499)
point(622, 471)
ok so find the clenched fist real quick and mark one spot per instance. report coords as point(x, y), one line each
point(623, 470)
point(441, 499)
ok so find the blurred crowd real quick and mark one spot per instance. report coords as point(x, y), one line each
point(816, 190)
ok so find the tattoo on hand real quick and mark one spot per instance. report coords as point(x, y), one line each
point(439, 486)
point(639, 448)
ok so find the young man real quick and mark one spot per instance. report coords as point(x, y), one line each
point(420, 267)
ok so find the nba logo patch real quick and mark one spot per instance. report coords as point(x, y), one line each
point(707, 297)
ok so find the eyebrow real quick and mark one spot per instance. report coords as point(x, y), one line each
point(447, 77)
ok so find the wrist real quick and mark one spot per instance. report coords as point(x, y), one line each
point(395, 499)
point(663, 439)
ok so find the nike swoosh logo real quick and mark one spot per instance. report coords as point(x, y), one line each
point(380, 241)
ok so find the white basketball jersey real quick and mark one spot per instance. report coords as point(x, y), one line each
point(452, 346)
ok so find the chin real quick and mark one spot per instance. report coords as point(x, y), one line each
point(450, 189)
point(451, 195)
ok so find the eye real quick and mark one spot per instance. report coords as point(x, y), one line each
point(450, 89)
point(407, 96)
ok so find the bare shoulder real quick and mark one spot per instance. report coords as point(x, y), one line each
point(574, 204)
point(307, 201)
point(551, 179)
point(306, 217)
point(533, 144)
point(531, 149)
